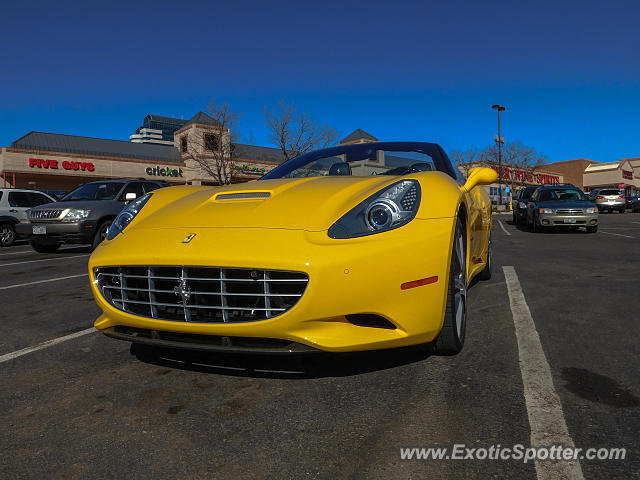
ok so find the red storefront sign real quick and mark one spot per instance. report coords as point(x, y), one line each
point(54, 164)
point(627, 174)
point(527, 176)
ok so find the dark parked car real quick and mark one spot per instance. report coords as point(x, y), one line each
point(635, 205)
point(520, 205)
point(561, 206)
point(83, 215)
point(630, 199)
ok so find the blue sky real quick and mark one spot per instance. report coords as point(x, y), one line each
point(568, 72)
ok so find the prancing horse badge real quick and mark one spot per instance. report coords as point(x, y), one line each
point(188, 238)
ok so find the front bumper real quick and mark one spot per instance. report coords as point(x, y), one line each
point(81, 232)
point(556, 220)
point(605, 205)
point(346, 277)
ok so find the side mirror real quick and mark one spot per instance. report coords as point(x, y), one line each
point(480, 176)
point(128, 197)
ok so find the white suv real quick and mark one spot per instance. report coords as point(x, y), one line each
point(14, 204)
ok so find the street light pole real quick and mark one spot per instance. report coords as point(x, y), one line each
point(499, 108)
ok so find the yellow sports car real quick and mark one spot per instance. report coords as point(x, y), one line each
point(356, 247)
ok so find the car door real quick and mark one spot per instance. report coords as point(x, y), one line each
point(19, 203)
point(531, 205)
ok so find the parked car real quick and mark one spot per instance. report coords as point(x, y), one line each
point(520, 205)
point(388, 231)
point(635, 205)
point(561, 206)
point(593, 194)
point(610, 199)
point(83, 215)
point(630, 199)
point(14, 204)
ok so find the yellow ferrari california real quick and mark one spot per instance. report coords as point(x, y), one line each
point(356, 247)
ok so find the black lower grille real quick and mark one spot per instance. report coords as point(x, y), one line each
point(201, 294)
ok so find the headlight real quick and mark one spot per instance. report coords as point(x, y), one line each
point(390, 208)
point(125, 216)
point(545, 210)
point(74, 214)
point(590, 210)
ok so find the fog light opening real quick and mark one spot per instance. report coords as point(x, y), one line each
point(370, 320)
point(545, 222)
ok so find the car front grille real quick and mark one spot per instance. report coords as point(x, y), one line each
point(201, 294)
point(45, 214)
point(570, 212)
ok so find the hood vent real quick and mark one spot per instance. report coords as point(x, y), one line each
point(243, 196)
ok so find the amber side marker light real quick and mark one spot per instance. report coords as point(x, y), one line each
point(419, 283)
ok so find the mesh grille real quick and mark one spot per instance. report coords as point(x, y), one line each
point(409, 199)
point(201, 294)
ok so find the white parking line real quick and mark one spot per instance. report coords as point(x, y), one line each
point(42, 260)
point(43, 281)
point(49, 343)
point(616, 234)
point(504, 229)
point(15, 253)
point(546, 418)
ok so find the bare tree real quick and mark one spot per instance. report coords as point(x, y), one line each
point(519, 162)
point(213, 151)
point(463, 159)
point(296, 132)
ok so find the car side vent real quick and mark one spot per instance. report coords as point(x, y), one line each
point(370, 320)
point(243, 196)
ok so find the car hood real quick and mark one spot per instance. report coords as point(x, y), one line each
point(312, 204)
point(82, 204)
point(566, 204)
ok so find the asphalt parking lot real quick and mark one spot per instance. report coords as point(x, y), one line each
point(84, 407)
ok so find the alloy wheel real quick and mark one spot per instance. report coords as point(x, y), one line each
point(7, 235)
point(460, 284)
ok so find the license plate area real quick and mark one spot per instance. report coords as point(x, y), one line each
point(39, 229)
point(569, 220)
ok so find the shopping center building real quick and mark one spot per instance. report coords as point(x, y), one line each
point(162, 149)
point(514, 178)
point(52, 161)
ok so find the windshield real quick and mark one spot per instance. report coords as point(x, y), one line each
point(398, 158)
point(565, 194)
point(95, 191)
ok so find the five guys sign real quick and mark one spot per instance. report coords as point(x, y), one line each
point(53, 164)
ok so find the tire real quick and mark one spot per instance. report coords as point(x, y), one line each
point(536, 228)
point(485, 274)
point(592, 229)
point(101, 233)
point(7, 235)
point(44, 246)
point(622, 210)
point(451, 338)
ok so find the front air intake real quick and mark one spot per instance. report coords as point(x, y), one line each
point(201, 294)
point(243, 196)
